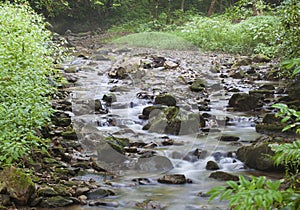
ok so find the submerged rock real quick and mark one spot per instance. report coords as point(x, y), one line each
point(154, 164)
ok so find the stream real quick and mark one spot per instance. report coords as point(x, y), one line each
point(154, 153)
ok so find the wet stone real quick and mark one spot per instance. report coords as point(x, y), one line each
point(99, 193)
point(212, 166)
point(165, 99)
point(56, 201)
point(104, 203)
point(172, 179)
point(143, 181)
point(223, 176)
point(229, 138)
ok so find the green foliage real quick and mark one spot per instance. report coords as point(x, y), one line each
point(290, 18)
point(158, 40)
point(253, 35)
point(25, 50)
point(290, 67)
point(288, 115)
point(255, 194)
point(289, 155)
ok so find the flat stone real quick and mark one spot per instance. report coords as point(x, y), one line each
point(223, 176)
point(172, 179)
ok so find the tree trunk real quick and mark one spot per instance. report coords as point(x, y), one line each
point(211, 8)
point(169, 12)
point(156, 10)
point(182, 5)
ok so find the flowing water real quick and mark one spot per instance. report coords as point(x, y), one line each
point(122, 120)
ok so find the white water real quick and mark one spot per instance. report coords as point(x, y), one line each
point(127, 124)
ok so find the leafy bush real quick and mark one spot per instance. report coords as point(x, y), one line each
point(290, 67)
point(25, 50)
point(290, 19)
point(253, 35)
point(288, 115)
point(259, 193)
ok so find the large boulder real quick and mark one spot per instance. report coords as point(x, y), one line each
point(258, 156)
point(173, 121)
point(243, 102)
point(17, 184)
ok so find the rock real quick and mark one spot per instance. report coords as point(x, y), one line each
point(71, 69)
point(158, 61)
point(198, 85)
point(151, 110)
point(223, 176)
point(165, 99)
point(260, 58)
point(121, 69)
point(174, 121)
point(69, 134)
point(143, 181)
point(242, 61)
point(119, 73)
point(243, 102)
point(18, 185)
point(99, 193)
point(4, 200)
point(109, 98)
point(98, 105)
point(154, 164)
point(172, 179)
point(269, 125)
point(150, 204)
point(229, 138)
point(104, 203)
point(258, 156)
point(170, 65)
point(293, 90)
point(56, 201)
point(81, 191)
point(47, 192)
point(212, 166)
point(60, 118)
point(237, 74)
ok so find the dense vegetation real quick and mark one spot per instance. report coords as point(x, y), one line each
point(25, 65)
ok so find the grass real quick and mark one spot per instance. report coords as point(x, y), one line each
point(156, 40)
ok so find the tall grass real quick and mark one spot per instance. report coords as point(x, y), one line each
point(254, 35)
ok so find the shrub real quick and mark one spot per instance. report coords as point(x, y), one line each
point(25, 50)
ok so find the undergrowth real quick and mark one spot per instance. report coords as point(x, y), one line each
point(25, 64)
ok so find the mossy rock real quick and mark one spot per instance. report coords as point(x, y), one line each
point(165, 99)
point(69, 134)
point(223, 176)
point(149, 109)
point(56, 201)
point(118, 144)
point(173, 121)
point(258, 156)
point(260, 58)
point(243, 102)
point(18, 184)
point(198, 85)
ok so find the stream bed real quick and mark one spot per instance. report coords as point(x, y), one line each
point(114, 86)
